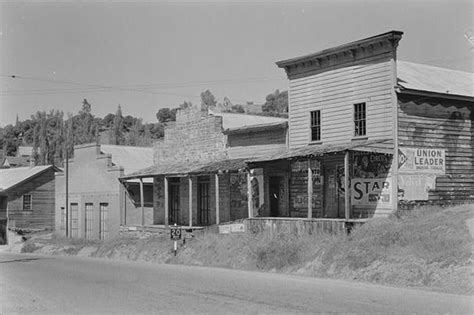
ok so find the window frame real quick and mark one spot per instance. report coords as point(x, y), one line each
point(30, 202)
point(359, 119)
point(315, 126)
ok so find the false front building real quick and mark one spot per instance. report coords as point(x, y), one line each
point(200, 173)
point(368, 132)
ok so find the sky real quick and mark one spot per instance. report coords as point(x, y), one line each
point(145, 56)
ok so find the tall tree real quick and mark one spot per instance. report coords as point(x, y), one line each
point(207, 100)
point(276, 102)
point(116, 132)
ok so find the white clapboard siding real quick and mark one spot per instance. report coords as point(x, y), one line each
point(334, 92)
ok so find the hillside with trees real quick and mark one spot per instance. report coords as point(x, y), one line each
point(52, 134)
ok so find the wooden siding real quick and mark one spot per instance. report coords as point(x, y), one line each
point(41, 216)
point(275, 136)
point(334, 92)
point(254, 151)
point(442, 124)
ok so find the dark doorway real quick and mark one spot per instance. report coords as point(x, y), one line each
point(173, 197)
point(3, 220)
point(276, 195)
point(334, 191)
point(203, 200)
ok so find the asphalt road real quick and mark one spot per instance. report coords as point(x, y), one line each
point(49, 284)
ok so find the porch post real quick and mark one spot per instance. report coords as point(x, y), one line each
point(142, 202)
point(190, 182)
point(166, 203)
point(310, 191)
point(346, 186)
point(249, 195)
point(217, 198)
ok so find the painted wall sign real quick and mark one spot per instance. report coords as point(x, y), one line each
point(415, 186)
point(371, 191)
point(301, 200)
point(421, 160)
point(371, 165)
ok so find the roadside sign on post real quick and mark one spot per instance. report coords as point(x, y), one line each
point(175, 232)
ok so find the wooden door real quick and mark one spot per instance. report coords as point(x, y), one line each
point(104, 213)
point(334, 191)
point(173, 205)
point(89, 216)
point(74, 220)
point(204, 202)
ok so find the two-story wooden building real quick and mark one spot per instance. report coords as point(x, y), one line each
point(200, 173)
point(367, 132)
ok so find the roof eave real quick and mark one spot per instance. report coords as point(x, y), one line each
point(392, 35)
point(406, 91)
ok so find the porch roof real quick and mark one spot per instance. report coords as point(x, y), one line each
point(379, 146)
point(194, 168)
point(222, 166)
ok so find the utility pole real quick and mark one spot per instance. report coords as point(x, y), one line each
point(67, 193)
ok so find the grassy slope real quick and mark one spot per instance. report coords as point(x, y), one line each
point(429, 248)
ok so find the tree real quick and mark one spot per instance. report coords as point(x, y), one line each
point(116, 132)
point(276, 102)
point(166, 114)
point(237, 109)
point(207, 100)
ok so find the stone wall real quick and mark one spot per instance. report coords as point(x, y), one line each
point(194, 136)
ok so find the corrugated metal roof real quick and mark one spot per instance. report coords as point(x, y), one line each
point(189, 168)
point(381, 146)
point(130, 158)
point(10, 177)
point(165, 169)
point(232, 120)
point(421, 77)
point(224, 165)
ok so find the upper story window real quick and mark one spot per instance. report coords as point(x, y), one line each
point(359, 120)
point(316, 125)
point(27, 202)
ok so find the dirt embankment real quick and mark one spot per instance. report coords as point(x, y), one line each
point(429, 248)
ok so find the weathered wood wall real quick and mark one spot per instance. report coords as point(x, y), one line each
point(334, 91)
point(442, 124)
point(41, 216)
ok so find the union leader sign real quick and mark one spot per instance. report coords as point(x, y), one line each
point(421, 160)
point(371, 191)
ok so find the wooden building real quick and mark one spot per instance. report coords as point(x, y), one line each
point(27, 198)
point(97, 202)
point(368, 132)
point(200, 172)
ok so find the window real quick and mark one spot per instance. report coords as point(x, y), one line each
point(316, 125)
point(27, 202)
point(359, 120)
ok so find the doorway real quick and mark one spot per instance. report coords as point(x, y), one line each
point(334, 197)
point(276, 194)
point(203, 201)
point(173, 197)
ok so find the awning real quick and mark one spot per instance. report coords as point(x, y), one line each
point(377, 146)
point(183, 169)
point(222, 166)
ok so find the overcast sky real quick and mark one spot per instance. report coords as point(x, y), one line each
point(149, 55)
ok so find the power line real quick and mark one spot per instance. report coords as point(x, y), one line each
point(146, 88)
